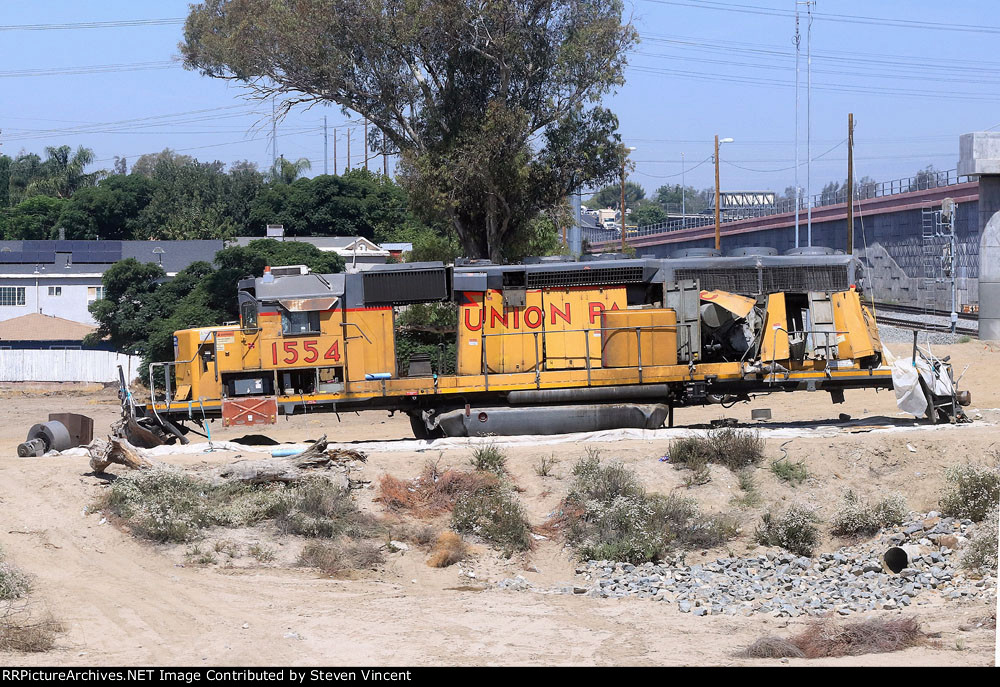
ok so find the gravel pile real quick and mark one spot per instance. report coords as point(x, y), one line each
point(848, 581)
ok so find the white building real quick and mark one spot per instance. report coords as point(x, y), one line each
point(62, 278)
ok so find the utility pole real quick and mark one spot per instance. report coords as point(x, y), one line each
point(366, 145)
point(797, 189)
point(274, 136)
point(326, 149)
point(348, 149)
point(718, 230)
point(623, 201)
point(809, 200)
point(683, 210)
point(624, 157)
point(335, 151)
point(850, 183)
point(385, 162)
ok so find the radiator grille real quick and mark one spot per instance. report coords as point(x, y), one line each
point(611, 276)
point(752, 281)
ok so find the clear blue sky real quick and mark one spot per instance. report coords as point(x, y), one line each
point(703, 68)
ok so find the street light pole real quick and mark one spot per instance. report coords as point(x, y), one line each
point(718, 232)
point(683, 210)
point(624, 157)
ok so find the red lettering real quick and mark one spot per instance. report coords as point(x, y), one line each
point(595, 311)
point(564, 314)
point(614, 306)
point(310, 348)
point(538, 317)
point(495, 315)
point(517, 315)
point(468, 323)
point(293, 355)
point(274, 353)
point(333, 353)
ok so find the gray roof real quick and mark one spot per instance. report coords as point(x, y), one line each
point(90, 257)
point(320, 242)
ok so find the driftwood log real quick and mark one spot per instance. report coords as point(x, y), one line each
point(318, 458)
point(116, 450)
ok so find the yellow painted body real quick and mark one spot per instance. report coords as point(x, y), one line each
point(351, 344)
point(774, 341)
point(655, 328)
point(860, 339)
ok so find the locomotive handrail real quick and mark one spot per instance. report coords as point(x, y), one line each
point(637, 330)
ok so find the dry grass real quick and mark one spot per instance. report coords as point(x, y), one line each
point(335, 557)
point(826, 638)
point(772, 647)
point(448, 550)
point(433, 492)
point(20, 631)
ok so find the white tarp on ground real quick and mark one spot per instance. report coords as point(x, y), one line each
point(70, 365)
point(873, 425)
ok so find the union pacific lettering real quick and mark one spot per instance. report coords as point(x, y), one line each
point(563, 315)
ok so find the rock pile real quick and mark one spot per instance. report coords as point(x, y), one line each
point(853, 579)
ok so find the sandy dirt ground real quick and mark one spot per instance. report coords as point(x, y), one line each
point(125, 601)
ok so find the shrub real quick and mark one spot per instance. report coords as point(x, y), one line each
point(316, 507)
point(334, 557)
point(489, 458)
point(448, 550)
point(433, 491)
point(544, 466)
point(495, 515)
point(263, 554)
point(14, 582)
point(981, 551)
point(169, 506)
point(787, 471)
point(857, 516)
point(737, 449)
point(162, 505)
point(794, 530)
point(610, 517)
point(974, 491)
point(603, 482)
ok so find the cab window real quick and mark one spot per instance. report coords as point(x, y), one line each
point(299, 322)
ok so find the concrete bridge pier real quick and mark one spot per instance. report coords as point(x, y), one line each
point(979, 154)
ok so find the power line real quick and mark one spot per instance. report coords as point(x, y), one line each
point(842, 18)
point(93, 24)
point(91, 69)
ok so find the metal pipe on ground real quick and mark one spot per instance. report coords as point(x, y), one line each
point(898, 558)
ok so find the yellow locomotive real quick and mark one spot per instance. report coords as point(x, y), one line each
point(541, 348)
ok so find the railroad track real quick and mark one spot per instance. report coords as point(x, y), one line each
point(919, 310)
point(905, 323)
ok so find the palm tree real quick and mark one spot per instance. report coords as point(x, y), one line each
point(285, 172)
point(63, 173)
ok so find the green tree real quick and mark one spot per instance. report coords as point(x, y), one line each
point(63, 172)
point(461, 91)
point(5, 163)
point(285, 171)
point(611, 196)
point(647, 213)
point(109, 210)
point(669, 198)
point(32, 218)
